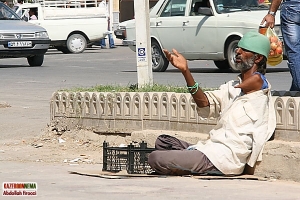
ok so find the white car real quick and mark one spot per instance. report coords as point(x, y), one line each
point(200, 30)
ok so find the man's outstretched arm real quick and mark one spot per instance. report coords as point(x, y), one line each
point(180, 63)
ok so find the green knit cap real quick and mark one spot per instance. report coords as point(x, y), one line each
point(255, 42)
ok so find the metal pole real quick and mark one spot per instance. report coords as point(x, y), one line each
point(143, 45)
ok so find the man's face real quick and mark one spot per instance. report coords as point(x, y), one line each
point(244, 59)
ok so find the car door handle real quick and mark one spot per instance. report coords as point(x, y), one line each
point(158, 23)
point(185, 23)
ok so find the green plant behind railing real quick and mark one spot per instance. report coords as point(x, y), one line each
point(132, 88)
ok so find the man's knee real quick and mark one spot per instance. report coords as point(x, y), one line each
point(158, 140)
point(162, 142)
point(153, 157)
point(161, 137)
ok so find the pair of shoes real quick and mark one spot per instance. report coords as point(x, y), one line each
point(113, 47)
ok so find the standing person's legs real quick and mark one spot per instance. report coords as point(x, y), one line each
point(111, 41)
point(290, 27)
point(102, 43)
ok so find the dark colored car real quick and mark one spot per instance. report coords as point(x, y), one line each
point(21, 39)
point(120, 32)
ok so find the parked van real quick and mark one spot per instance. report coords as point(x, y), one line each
point(71, 25)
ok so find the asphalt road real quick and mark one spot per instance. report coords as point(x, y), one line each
point(28, 89)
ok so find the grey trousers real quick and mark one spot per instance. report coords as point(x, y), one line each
point(173, 158)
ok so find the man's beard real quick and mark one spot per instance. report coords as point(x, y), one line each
point(245, 65)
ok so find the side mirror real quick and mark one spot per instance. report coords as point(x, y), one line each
point(205, 11)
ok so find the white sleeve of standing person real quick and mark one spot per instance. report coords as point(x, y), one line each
point(33, 17)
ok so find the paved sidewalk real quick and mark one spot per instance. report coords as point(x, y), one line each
point(118, 42)
point(54, 182)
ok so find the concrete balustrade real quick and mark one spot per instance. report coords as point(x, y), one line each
point(119, 106)
point(174, 107)
point(292, 114)
point(102, 105)
point(95, 106)
point(110, 108)
point(280, 109)
point(86, 105)
point(164, 107)
point(79, 102)
point(136, 107)
point(154, 107)
point(54, 106)
point(192, 111)
point(146, 101)
point(183, 108)
point(125, 112)
point(71, 105)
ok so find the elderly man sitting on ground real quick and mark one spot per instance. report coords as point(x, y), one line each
point(246, 117)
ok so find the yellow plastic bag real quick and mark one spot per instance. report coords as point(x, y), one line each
point(276, 53)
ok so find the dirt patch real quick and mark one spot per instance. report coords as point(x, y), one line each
point(70, 147)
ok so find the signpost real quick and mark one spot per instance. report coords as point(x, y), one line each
point(143, 44)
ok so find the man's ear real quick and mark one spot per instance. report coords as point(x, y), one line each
point(258, 58)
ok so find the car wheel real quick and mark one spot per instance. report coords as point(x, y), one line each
point(230, 51)
point(159, 61)
point(76, 43)
point(229, 63)
point(36, 60)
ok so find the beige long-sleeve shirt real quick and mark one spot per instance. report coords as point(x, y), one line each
point(245, 124)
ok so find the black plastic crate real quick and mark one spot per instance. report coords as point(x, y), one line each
point(133, 159)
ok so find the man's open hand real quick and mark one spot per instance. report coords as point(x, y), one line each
point(176, 59)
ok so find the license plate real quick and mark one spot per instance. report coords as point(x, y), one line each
point(20, 44)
